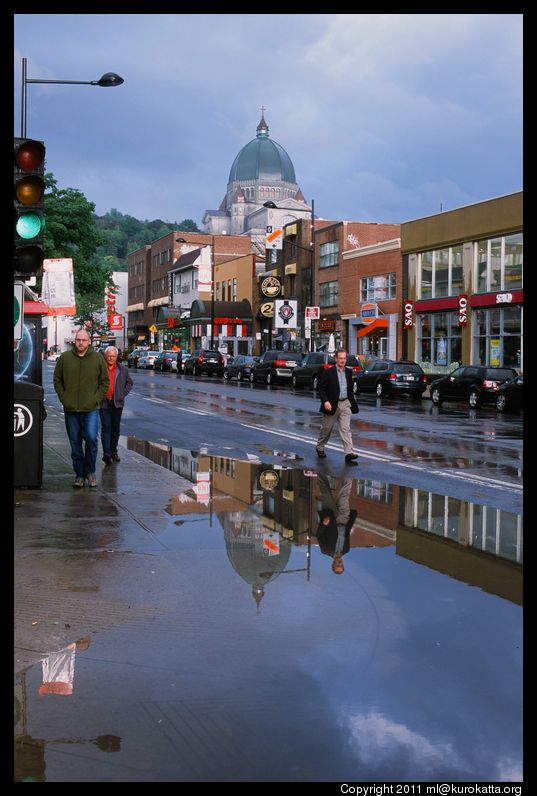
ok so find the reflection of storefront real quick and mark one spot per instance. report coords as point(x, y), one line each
point(463, 275)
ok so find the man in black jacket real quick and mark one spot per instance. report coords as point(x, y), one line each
point(336, 520)
point(337, 405)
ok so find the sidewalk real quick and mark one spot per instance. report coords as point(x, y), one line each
point(80, 555)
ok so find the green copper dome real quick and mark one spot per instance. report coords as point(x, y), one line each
point(262, 159)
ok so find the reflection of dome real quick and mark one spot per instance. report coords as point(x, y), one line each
point(243, 534)
point(262, 159)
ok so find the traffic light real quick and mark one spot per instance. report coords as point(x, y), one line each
point(29, 192)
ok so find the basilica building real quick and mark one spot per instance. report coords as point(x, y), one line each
point(262, 172)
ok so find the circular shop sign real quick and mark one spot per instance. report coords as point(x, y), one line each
point(271, 286)
point(269, 480)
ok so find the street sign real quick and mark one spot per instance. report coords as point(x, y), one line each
point(274, 238)
point(18, 291)
point(152, 328)
point(314, 313)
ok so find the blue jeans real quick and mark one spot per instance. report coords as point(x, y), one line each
point(110, 423)
point(83, 427)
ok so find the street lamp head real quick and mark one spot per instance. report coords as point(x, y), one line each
point(181, 240)
point(271, 205)
point(109, 79)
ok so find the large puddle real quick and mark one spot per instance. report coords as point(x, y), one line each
point(303, 628)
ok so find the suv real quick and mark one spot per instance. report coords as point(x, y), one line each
point(308, 371)
point(391, 377)
point(477, 384)
point(203, 360)
point(274, 366)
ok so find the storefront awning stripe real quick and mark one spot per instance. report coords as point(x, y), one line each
point(378, 323)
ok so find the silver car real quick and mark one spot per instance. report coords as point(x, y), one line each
point(147, 360)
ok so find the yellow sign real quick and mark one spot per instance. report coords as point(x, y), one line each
point(153, 328)
point(267, 309)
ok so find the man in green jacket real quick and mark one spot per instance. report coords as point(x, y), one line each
point(81, 381)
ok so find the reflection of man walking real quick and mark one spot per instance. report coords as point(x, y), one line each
point(336, 520)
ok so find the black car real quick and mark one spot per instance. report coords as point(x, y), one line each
point(477, 384)
point(275, 366)
point(203, 360)
point(307, 372)
point(164, 361)
point(391, 377)
point(240, 367)
point(510, 396)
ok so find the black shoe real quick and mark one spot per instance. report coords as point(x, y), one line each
point(107, 459)
point(115, 457)
point(350, 458)
point(320, 454)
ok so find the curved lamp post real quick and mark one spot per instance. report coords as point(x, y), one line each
point(211, 245)
point(108, 79)
point(270, 204)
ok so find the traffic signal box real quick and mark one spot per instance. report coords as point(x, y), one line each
point(29, 193)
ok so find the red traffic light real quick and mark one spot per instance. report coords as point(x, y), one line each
point(30, 155)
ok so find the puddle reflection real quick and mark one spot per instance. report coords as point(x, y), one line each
point(255, 502)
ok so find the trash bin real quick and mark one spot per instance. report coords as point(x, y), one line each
point(28, 417)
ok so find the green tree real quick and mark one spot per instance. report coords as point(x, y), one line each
point(70, 231)
point(91, 314)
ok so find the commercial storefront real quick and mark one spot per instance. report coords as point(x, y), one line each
point(232, 326)
point(464, 298)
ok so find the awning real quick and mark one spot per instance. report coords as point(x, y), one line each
point(378, 323)
point(35, 308)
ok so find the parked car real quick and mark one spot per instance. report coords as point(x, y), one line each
point(147, 360)
point(510, 396)
point(204, 361)
point(477, 384)
point(275, 366)
point(307, 372)
point(240, 367)
point(164, 361)
point(391, 377)
point(134, 356)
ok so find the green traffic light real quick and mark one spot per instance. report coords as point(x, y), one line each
point(30, 225)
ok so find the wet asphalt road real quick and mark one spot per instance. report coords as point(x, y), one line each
point(222, 646)
point(471, 454)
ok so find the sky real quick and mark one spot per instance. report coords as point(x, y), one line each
point(386, 117)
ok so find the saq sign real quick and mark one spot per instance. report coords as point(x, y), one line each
point(409, 314)
point(463, 310)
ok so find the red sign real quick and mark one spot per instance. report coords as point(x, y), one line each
point(409, 314)
point(170, 323)
point(313, 312)
point(463, 310)
point(327, 326)
point(115, 322)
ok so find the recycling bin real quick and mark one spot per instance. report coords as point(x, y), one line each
point(28, 417)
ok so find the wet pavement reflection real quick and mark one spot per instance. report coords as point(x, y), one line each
point(312, 628)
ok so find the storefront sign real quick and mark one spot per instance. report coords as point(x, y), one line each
point(326, 326)
point(269, 480)
point(369, 312)
point(285, 314)
point(463, 310)
point(409, 314)
point(267, 309)
point(271, 287)
point(504, 298)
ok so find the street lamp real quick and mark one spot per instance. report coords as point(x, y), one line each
point(270, 204)
point(108, 79)
point(211, 245)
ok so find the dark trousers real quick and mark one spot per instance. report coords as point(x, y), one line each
point(110, 427)
point(82, 430)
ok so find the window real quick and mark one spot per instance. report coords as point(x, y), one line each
point(441, 272)
point(229, 289)
point(497, 336)
point(498, 263)
point(218, 291)
point(439, 342)
point(328, 294)
point(234, 289)
point(376, 288)
point(328, 254)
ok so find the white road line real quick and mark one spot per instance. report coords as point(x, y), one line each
point(331, 446)
point(494, 483)
point(172, 406)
